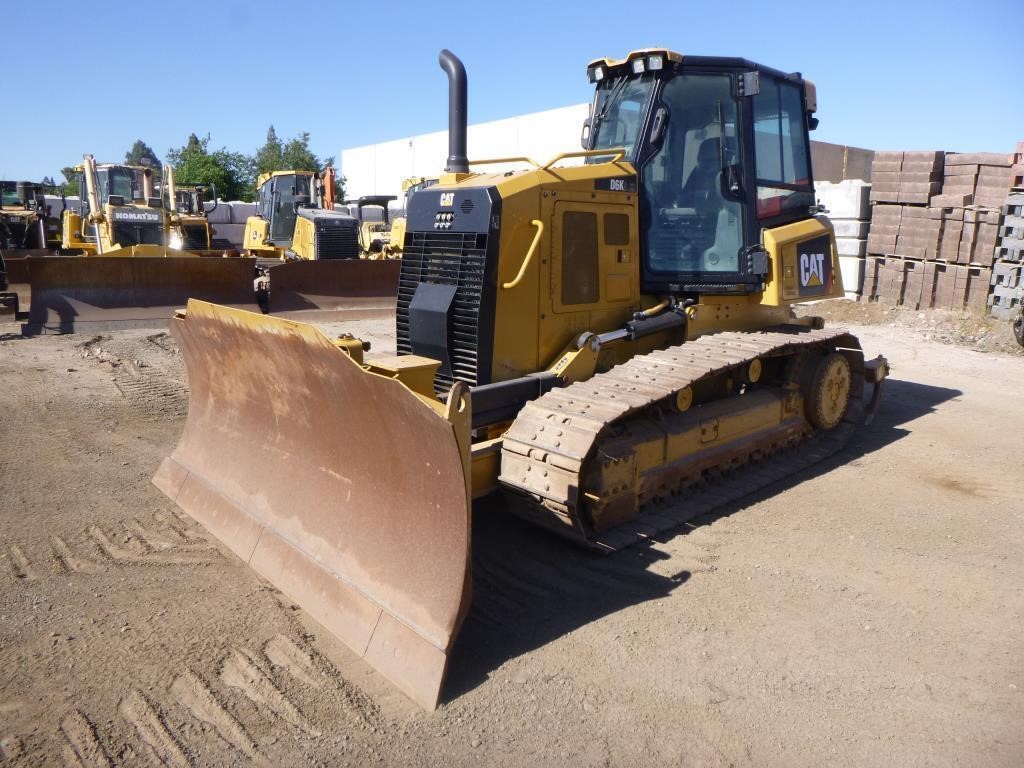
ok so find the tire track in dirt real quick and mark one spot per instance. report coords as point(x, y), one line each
point(135, 552)
point(67, 557)
point(161, 744)
point(142, 546)
point(193, 694)
point(20, 565)
point(11, 748)
point(82, 745)
point(160, 541)
point(282, 652)
point(312, 670)
point(145, 370)
point(242, 670)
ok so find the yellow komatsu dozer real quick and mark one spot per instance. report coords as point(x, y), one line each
point(132, 264)
point(601, 343)
point(120, 212)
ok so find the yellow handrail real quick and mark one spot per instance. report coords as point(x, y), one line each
point(618, 152)
point(498, 160)
point(529, 254)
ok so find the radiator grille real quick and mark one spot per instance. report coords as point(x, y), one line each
point(16, 232)
point(129, 233)
point(448, 258)
point(195, 238)
point(336, 242)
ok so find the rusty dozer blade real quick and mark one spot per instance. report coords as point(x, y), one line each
point(83, 293)
point(345, 490)
point(351, 288)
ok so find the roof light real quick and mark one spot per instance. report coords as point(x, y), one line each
point(639, 66)
point(655, 62)
point(596, 74)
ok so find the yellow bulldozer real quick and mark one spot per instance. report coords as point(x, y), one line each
point(295, 219)
point(374, 236)
point(384, 239)
point(131, 265)
point(27, 223)
point(188, 223)
point(120, 210)
point(608, 345)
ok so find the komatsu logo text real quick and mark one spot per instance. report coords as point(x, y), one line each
point(138, 216)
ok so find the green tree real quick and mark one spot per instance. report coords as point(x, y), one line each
point(297, 156)
point(243, 170)
point(270, 157)
point(229, 171)
point(141, 151)
point(293, 155)
point(70, 181)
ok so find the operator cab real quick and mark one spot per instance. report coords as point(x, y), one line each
point(123, 188)
point(721, 149)
point(279, 201)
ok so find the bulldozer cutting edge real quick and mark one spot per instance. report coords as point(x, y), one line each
point(345, 285)
point(76, 293)
point(341, 487)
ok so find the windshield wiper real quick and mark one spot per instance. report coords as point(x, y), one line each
point(612, 96)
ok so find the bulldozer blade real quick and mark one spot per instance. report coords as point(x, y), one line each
point(341, 487)
point(82, 293)
point(346, 288)
point(17, 274)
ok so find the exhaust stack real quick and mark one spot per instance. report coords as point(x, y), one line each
point(458, 162)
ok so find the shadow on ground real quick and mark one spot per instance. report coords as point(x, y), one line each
point(530, 587)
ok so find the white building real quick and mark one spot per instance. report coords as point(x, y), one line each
point(378, 169)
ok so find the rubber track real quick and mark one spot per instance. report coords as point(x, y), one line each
point(546, 448)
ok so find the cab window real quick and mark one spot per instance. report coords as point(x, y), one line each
point(692, 226)
point(780, 145)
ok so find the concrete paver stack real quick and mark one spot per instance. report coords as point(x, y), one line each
point(1007, 295)
point(935, 222)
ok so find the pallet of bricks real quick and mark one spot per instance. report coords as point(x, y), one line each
point(1007, 295)
point(934, 224)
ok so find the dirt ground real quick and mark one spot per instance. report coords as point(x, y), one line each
point(867, 612)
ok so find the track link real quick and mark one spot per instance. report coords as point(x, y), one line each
point(548, 449)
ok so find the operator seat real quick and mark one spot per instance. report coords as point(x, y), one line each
point(701, 187)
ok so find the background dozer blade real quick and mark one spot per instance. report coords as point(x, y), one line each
point(341, 487)
point(82, 293)
point(351, 288)
point(17, 275)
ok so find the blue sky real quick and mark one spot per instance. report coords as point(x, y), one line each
point(891, 75)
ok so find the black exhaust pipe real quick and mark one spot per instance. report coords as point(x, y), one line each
point(458, 162)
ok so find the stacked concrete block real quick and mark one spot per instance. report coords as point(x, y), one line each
point(1017, 169)
point(227, 220)
point(920, 233)
point(979, 235)
point(983, 176)
point(906, 177)
point(941, 249)
point(885, 228)
point(848, 206)
point(1007, 295)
